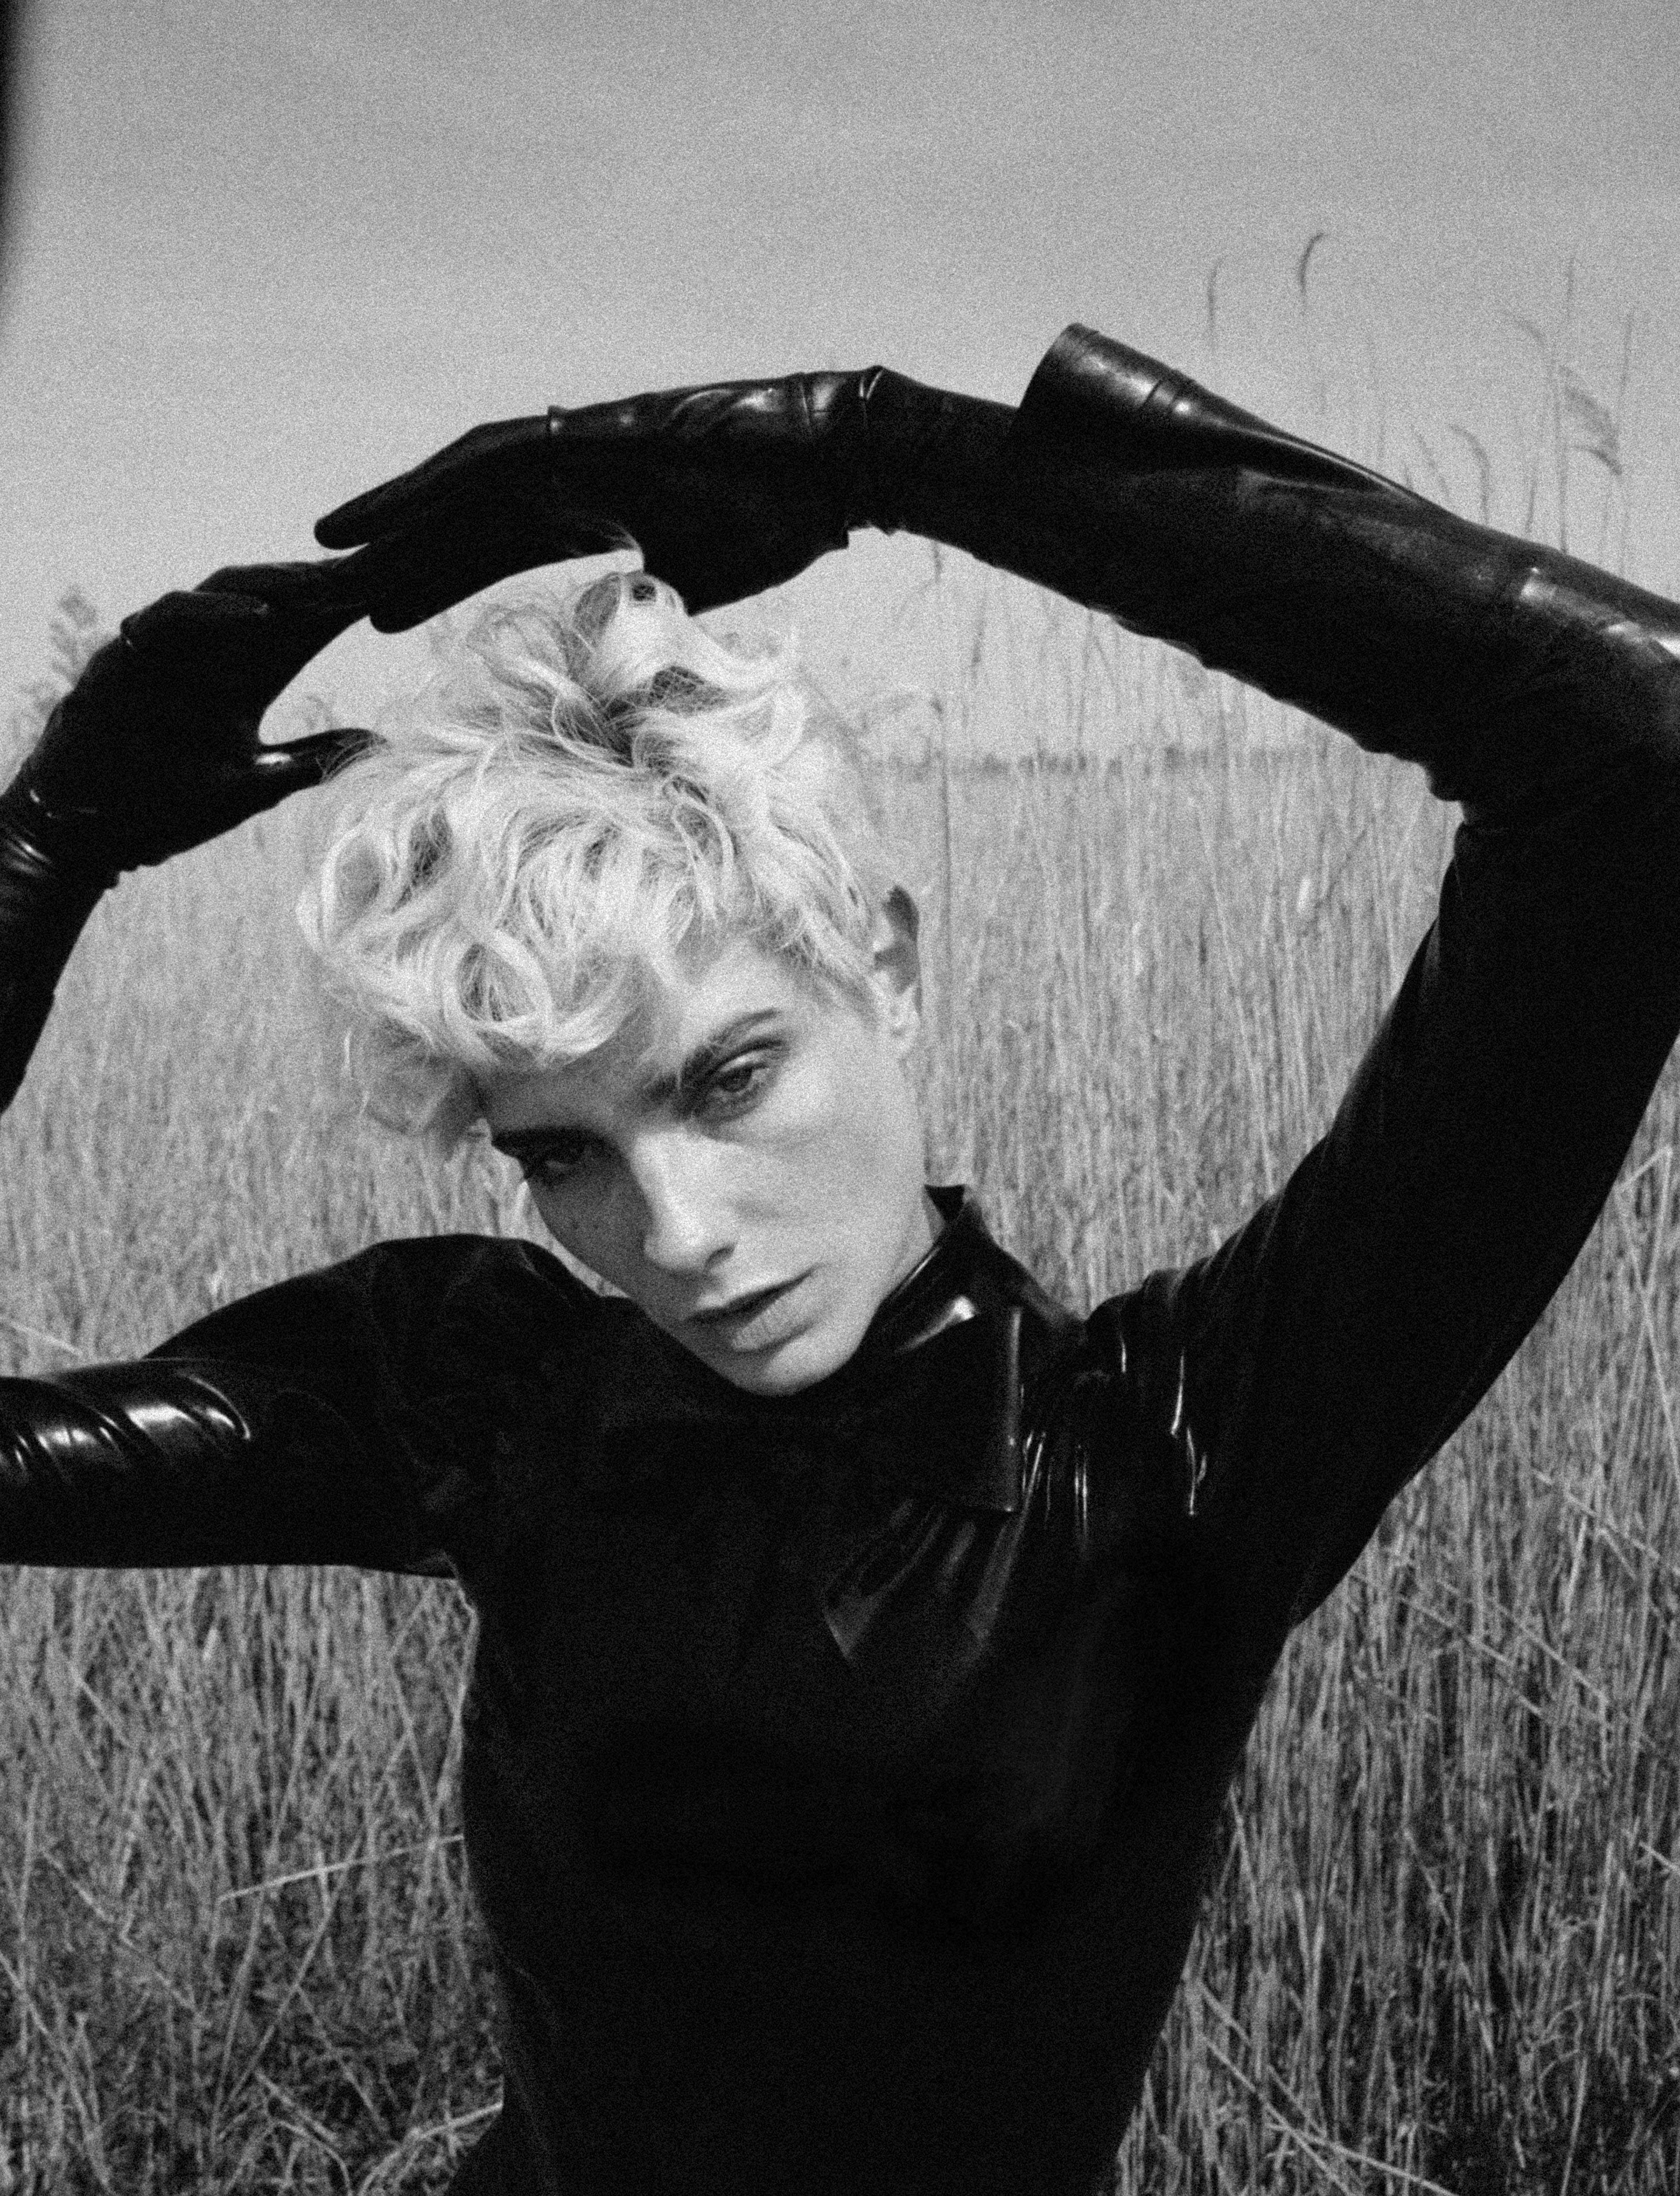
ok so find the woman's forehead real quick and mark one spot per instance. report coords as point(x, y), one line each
point(715, 988)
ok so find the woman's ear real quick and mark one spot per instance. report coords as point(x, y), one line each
point(895, 970)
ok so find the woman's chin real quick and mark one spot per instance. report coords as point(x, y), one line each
point(815, 1349)
point(800, 1362)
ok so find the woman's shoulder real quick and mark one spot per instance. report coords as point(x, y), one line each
point(477, 1290)
point(504, 1268)
point(421, 1309)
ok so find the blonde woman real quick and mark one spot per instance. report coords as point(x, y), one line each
point(866, 1642)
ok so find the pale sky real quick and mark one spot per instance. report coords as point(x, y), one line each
point(261, 254)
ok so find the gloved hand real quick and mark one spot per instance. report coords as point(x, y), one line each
point(155, 749)
point(726, 491)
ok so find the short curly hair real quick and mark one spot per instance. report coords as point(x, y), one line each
point(591, 788)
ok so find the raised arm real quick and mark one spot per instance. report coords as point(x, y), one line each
point(1291, 1384)
point(1118, 483)
point(1296, 1379)
point(1302, 1374)
point(154, 750)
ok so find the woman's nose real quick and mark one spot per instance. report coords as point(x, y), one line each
point(685, 1222)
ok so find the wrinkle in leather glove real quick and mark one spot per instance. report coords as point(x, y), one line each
point(1118, 483)
point(725, 490)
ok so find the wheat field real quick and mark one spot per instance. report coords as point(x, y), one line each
point(1443, 1949)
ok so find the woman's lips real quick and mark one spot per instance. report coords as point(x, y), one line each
point(755, 1320)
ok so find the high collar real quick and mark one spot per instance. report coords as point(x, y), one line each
point(933, 1296)
point(930, 1398)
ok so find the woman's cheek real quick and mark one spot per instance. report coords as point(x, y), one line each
point(579, 1221)
point(804, 1118)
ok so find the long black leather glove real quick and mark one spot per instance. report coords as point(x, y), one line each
point(1119, 483)
point(1503, 667)
point(154, 750)
point(726, 490)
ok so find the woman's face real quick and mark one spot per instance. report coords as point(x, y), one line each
point(744, 1160)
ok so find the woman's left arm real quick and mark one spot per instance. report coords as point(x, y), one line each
point(1299, 1376)
point(1302, 1374)
point(281, 1428)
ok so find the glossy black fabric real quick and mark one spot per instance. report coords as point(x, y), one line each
point(840, 1772)
point(837, 1769)
point(44, 905)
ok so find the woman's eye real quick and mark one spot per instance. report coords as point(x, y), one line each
point(736, 1085)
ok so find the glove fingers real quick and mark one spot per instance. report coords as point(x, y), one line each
point(290, 633)
point(454, 535)
point(426, 595)
point(297, 764)
point(412, 576)
point(265, 619)
point(175, 617)
point(475, 460)
point(287, 640)
point(305, 606)
point(300, 583)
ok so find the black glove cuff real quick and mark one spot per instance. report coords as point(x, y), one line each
point(1116, 404)
point(48, 889)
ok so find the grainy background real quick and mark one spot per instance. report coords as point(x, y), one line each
point(260, 256)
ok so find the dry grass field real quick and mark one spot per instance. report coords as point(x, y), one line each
point(1442, 1951)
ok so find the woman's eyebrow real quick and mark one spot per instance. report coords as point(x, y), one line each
point(706, 1056)
point(522, 1143)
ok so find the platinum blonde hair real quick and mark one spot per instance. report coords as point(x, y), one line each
point(590, 791)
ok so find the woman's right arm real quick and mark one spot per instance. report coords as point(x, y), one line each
point(273, 1434)
point(377, 1413)
point(42, 911)
point(154, 750)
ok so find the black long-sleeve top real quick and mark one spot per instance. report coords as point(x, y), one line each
point(840, 1769)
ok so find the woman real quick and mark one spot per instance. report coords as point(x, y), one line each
point(866, 1643)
